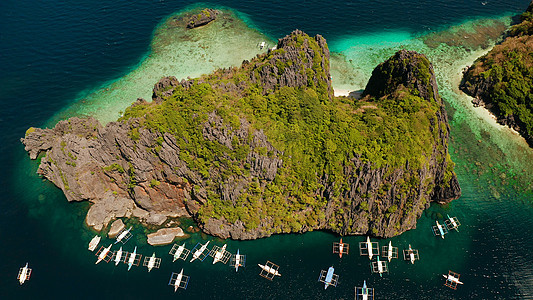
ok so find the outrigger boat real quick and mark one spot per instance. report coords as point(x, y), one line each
point(269, 270)
point(410, 254)
point(219, 254)
point(199, 252)
point(390, 251)
point(178, 252)
point(94, 242)
point(124, 235)
point(238, 260)
point(24, 274)
point(439, 230)
point(103, 254)
point(452, 223)
point(341, 248)
point(118, 256)
point(178, 280)
point(152, 262)
point(379, 267)
point(452, 279)
point(364, 293)
point(131, 260)
point(368, 247)
point(328, 278)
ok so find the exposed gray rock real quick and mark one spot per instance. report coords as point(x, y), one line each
point(116, 227)
point(203, 18)
point(164, 236)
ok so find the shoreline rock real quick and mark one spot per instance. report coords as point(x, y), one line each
point(116, 228)
point(164, 236)
point(203, 18)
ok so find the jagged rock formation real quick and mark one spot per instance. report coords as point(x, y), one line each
point(502, 80)
point(261, 149)
point(205, 17)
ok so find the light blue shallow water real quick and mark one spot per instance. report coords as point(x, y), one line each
point(52, 52)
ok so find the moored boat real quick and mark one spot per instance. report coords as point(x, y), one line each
point(94, 242)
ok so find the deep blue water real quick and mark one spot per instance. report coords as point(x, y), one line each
point(51, 51)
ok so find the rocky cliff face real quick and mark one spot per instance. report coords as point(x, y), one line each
point(141, 167)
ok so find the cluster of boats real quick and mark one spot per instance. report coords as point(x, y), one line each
point(177, 280)
point(451, 223)
point(269, 270)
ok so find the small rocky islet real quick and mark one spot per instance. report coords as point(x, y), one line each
point(264, 148)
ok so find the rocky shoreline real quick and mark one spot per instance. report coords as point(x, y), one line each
point(128, 170)
point(496, 80)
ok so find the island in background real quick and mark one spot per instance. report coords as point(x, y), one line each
point(502, 80)
point(263, 149)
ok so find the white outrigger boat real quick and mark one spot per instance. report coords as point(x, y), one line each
point(124, 236)
point(24, 274)
point(364, 293)
point(410, 254)
point(198, 253)
point(452, 279)
point(369, 248)
point(452, 223)
point(152, 262)
point(131, 260)
point(103, 253)
point(380, 267)
point(178, 251)
point(328, 278)
point(219, 254)
point(94, 242)
point(390, 251)
point(118, 256)
point(238, 260)
point(269, 270)
point(178, 280)
point(439, 230)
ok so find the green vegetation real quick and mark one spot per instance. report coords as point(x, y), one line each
point(154, 183)
point(315, 136)
point(30, 130)
point(114, 167)
point(508, 70)
point(525, 27)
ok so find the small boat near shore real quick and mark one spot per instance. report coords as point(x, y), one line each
point(94, 242)
point(341, 248)
point(269, 270)
point(328, 277)
point(103, 254)
point(199, 254)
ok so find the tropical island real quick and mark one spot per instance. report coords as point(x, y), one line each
point(502, 80)
point(264, 148)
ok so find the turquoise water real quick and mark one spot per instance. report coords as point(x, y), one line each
point(70, 59)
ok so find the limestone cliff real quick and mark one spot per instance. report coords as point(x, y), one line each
point(263, 149)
